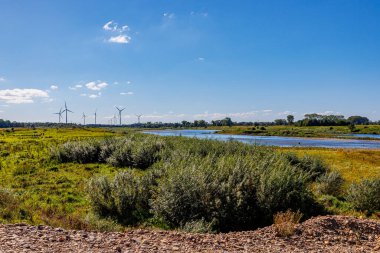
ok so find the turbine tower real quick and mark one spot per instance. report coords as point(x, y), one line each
point(114, 119)
point(60, 115)
point(95, 115)
point(66, 110)
point(120, 110)
point(84, 119)
point(138, 118)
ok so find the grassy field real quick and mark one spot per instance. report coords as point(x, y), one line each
point(295, 131)
point(353, 164)
point(53, 193)
point(50, 193)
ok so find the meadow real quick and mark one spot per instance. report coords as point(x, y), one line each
point(300, 131)
point(101, 179)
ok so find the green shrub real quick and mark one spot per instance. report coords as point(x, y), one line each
point(365, 195)
point(135, 152)
point(330, 183)
point(81, 151)
point(121, 157)
point(232, 193)
point(199, 226)
point(310, 164)
point(283, 187)
point(124, 198)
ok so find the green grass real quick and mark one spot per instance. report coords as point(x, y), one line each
point(49, 193)
point(53, 193)
point(295, 131)
point(353, 164)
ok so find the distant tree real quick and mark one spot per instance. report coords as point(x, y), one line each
point(186, 123)
point(227, 122)
point(358, 120)
point(202, 123)
point(290, 119)
point(280, 122)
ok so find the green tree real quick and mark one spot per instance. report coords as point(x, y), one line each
point(290, 119)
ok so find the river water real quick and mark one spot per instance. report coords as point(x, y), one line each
point(278, 141)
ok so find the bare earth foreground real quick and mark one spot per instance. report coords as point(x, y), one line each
point(321, 234)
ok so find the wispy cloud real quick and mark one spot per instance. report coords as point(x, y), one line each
point(126, 93)
point(329, 113)
point(95, 95)
point(121, 39)
point(53, 87)
point(169, 15)
point(122, 31)
point(78, 86)
point(114, 27)
point(22, 96)
point(96, 85)
point(202, 14)
point(2, 79)
point(201, 59)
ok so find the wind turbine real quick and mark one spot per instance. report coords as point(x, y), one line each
point(60, 115)
point(66, 110)
point(114, 119)
point(95, 115)
point(84, 119)
point(138, 118)
point(120, 110)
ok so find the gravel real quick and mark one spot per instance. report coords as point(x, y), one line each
point(319, 234)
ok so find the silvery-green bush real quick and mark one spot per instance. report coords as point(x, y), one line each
point(365, 195)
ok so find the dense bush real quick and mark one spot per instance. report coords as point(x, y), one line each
point(80, 151)
point(232, 192)
point(119, 152)
point(365, 195)
point(196, 184)
point(330, 183)
point(124, 198)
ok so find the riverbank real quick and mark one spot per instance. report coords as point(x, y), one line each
point(305, 132)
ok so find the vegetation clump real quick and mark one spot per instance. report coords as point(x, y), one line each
point(364, 195)
point(330, 183)
point(118, 152)
point(205, 184)
point(285, 223)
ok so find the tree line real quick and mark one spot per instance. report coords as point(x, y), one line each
point(313, 119)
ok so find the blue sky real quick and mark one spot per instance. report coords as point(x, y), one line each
point(185, 60)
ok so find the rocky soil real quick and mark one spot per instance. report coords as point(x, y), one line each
point(321, 234)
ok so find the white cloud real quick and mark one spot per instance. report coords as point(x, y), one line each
point(83, 95)
point(114, 27)
point(109, 26)
point(169, 15)
point(78, 86)
point(2, 79)
point(95, 95)
point(129, 82)
point(54, 87)
point(201, 59)
point(123, 30)
point(126, 93)
point(329, 113)
point(22, 96)
point(121, 39)
point(98, 85)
